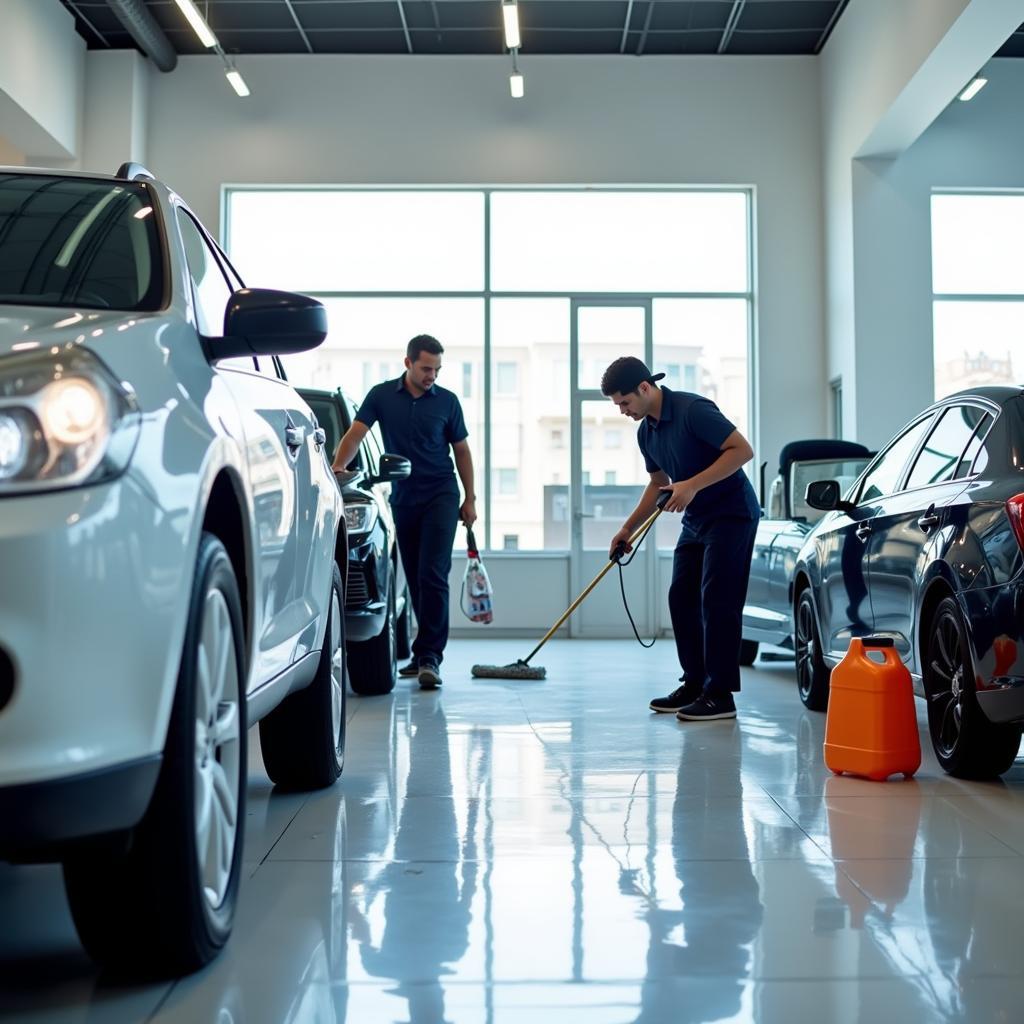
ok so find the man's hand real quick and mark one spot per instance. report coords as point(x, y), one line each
point(622, 537)
point(682, 494)
point(468, 512)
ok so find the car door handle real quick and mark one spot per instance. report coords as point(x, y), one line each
point(319, 437)
point(294, 436)
point(863, 531)
point(928, 520)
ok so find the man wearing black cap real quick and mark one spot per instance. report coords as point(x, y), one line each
point(692, 450)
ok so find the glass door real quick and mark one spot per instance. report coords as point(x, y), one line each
point(607, 471)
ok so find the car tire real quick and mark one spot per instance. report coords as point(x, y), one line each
point(965, 742)
point(303, 738)
point(162, 903)
point(748, 652)
point(812, 674)
point(403, 642)
point(372, 664)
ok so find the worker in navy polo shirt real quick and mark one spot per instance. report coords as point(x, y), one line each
point(422, 421)
point(692, 450)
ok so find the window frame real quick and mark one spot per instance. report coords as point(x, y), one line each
point(941, 412)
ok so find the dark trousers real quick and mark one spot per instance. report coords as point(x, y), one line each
point(710, 571)
point(426, 533)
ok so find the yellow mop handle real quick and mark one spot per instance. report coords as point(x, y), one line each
point(640, 530)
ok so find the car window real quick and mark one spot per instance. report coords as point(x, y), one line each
point(943, 450)
point(79, 242)
point(884, 477)
point(210, 287)
point(328, 415)
point(971, 452)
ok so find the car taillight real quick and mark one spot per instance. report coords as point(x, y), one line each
point(1015, 513)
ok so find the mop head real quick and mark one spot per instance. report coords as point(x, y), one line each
point(517, 670)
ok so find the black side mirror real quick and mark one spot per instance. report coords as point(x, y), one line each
point(264, 322)
point(825, 496)
point(393, 467)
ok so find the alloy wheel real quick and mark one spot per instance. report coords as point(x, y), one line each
point(337, 672)
point(218, 765)
point(806, 647)
point(946, 693)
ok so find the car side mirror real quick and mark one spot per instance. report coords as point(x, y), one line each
point(825, 496)
point(392, 467)
point(264, 322)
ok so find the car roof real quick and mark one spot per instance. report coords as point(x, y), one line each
point(998, 393)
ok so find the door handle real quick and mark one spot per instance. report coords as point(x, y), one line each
point(928, 520)
point(863, 531)
point(319, 437)
point(294, 436)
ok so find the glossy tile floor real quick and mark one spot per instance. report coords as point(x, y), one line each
point(552, 852)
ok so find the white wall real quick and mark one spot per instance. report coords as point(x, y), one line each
point(887, 72)
point(41, 74)
point(115, 109)
point(590, 120)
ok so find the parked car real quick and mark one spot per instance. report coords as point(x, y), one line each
point(173, 549)
point(768, 611)
point(378, 610)
point(925, 549)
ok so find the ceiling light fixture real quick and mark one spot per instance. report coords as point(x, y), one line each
point(973, 89)
point(510, 14)
point(198, 22)
point(516, 82)
point(234, 76)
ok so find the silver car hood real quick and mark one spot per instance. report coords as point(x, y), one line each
point(32, 328)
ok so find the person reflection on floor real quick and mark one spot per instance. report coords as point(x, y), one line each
point(721, 912)
point(427, 908)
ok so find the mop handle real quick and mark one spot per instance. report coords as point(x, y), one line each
point(640, 530)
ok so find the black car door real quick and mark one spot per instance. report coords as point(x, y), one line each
point(845, 606)
point(908, 522)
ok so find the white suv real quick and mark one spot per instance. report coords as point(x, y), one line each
point(171, 548)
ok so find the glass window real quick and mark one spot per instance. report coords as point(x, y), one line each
point(619, 241)
point(530, 429)
point(78, 242)
point(977, 343)
point(708, 339)
point(506, 378)
point(942, 451)
point(884, 476)
point(209, 285)
point(359, 241)
point(603, 334)
point(613, 438)
point(973, 448)
point(467, 380)
point(976, 244)
point(508, 482)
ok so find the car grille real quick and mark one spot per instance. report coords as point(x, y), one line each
point(357, 592)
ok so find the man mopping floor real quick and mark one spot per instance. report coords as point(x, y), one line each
point(693, 451)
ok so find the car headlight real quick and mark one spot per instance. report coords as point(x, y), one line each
point(360, 516)
point(64, 421)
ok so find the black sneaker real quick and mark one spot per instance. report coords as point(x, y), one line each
point(678, 698)
point(410, 670)
point(429, 676)
point(708, 709)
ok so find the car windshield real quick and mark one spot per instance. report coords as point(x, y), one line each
point(843, 471)
point(78, 242)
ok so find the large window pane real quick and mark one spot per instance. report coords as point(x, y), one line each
point(366, 344)
point(530, 424)
point(701, 344)
point(977, 343)
point(976, 244)
point(322, 240)
point(619, 241)
point(605, 333)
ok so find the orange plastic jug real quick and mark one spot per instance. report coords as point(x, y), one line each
point(871, 728)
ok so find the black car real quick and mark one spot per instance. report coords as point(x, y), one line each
point(378, 611)
point(768, 610)
point(925, 549)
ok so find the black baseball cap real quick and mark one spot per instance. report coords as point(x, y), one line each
point(626, 374)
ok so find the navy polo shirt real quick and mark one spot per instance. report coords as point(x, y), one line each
point(423, 430)
point(684, 442)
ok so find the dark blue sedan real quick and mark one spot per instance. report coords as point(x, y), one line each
point(925, 548)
